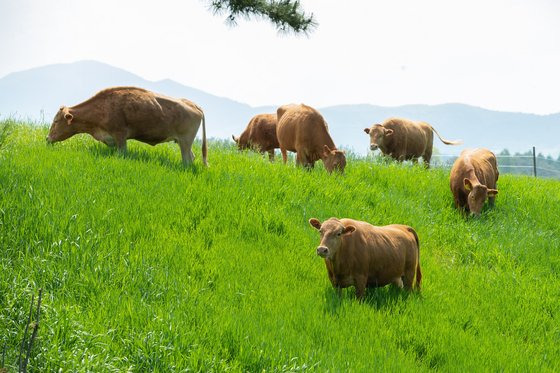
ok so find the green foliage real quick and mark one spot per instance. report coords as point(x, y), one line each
point(286, 15)
point(147, 266)
point(522, 164)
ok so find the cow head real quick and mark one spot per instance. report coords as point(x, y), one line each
point(377, 134)
point(61, 127)
point(332, 232)
point(478, 194)
point(333, 159)
point(241, 142)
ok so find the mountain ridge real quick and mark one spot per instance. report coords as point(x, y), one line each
point(35, 94)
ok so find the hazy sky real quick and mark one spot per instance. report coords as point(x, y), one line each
point(498, 54)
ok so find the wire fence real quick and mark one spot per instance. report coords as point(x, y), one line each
point(520, 164)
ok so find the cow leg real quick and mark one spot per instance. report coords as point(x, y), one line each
point(299, 159)
point(120, 142)
point(271, 155)
point(360, 284)
point(186, 152)
point(398, 282)
point(306, 161)
point(461, 201)
point(427, 157)
point(284, 155)
point(409, 277)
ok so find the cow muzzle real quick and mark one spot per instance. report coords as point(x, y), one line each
point(373, 147)
point(323, 251)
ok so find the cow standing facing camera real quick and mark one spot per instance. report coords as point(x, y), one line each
point(359, 254)
point(403, 139)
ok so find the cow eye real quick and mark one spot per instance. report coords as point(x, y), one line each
point(339, 233)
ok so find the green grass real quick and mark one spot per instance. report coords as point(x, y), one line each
point(147, 266)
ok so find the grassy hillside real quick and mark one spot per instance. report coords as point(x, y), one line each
point(148, 266)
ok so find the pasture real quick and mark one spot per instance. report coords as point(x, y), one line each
point(147, 266)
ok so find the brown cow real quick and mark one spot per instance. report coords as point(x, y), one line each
point(403, 139)
point(116, 114)
point(359, 254)
point(303, 130)
point(260, 135)
point(282, 109)
point(473, 179)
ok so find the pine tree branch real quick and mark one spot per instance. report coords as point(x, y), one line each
point(286, 15)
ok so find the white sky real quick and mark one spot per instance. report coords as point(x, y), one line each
point(498, 54)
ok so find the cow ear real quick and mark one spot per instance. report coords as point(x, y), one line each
point(468, 184)
point(348, 230)
point(68, 118)
point(492, 192)
point(315, 223)
point(388, 132)
point(366, 130)
point(235, 139)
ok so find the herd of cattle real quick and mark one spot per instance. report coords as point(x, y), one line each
point(356, 253)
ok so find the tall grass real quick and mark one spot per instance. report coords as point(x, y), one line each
point(147, 266)
point(6, 127)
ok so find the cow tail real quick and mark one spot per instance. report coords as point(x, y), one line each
point(446, 142)
point(418, 272)
point(204, 143)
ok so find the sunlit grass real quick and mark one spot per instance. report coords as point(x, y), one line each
point(149, 266)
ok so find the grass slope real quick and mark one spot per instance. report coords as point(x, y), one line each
point(150, 267)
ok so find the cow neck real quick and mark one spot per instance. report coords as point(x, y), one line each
point(471, 175)
point(85, 119)
point(331, 145)
point(336, 259)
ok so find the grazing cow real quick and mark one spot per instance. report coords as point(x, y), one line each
point(403, 139)
point(303, 130)
point(359, 254)
point(116, 114)
point(260, 135)
point(473, 178)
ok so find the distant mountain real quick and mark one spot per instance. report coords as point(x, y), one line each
point(36, 94)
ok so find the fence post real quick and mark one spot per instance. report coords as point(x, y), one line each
point(534, 162)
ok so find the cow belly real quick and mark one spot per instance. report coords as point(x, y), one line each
point(344, 281)
point(104, 137)
point(385, 277)
point(153, 140)
point(374, 282)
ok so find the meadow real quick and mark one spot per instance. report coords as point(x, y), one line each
point(148, 266)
